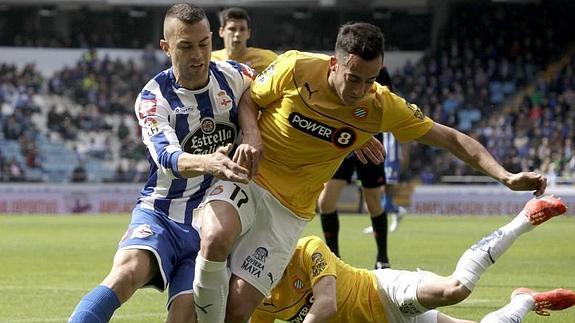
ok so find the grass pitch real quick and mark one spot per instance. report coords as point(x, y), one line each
point(47, 263)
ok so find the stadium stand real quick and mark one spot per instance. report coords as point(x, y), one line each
point(501, 72)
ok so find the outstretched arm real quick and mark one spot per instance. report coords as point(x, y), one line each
point(325, 301)
point(475, 155)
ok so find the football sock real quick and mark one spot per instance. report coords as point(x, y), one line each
point(514, 312)
point(211, 286)
point(485, 252)
point(330, 226)
point(97, 306)
point(388, 205)
point(379, 224)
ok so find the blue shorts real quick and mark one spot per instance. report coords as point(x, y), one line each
point(175, 246)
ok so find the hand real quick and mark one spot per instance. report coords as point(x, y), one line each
point(527, 181)
point(373, 149)
point(248, 154)
point(220, 166)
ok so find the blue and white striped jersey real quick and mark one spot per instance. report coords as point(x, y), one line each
point(392, 161)
point(175, 120)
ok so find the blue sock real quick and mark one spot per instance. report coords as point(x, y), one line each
point(388, 205)
point(96, 307)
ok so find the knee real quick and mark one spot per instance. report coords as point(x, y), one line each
point(454, 292)
point(131, 270)
point(216, 244)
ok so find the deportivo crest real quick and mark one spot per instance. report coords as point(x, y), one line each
point(217, 190)
point(359, 112)
point(255, 264)
point(223, 101)
point(318, 264)
point(209, 137)
point(416, 110)
point(142, 231)
point(340, 137)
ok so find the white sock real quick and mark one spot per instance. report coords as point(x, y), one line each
point(483, 254)
point(211, 285)
point(514, 312)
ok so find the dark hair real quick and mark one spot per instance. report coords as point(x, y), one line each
point(186, 12)
point(360, 38)
point(234, 13)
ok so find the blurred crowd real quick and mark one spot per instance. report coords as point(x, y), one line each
point(497, 74)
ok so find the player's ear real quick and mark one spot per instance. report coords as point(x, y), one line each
point(221, 32)
point(332, 63)
point(165, 47)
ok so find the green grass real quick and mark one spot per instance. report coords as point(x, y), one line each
point(47, 263)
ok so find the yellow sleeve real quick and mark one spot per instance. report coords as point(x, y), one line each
point(405, 120)
point(318, 260)
point(268, 57)
point(270, 84)
point(219, 55)
point(261, 317)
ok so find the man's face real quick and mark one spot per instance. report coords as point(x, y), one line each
point(189, 47)
point(235, 34)
point(351, 76)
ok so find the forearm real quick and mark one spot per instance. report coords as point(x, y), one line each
point(191, 165)
point(475, 155)
point(248, 112)
point(466, 149)
point(318, 314)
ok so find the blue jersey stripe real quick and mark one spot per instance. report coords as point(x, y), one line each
point(152, 177)
point(226, 87)
point(205, 105)
point(197, 198)
point(177, 186)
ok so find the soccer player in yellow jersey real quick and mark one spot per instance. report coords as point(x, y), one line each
point(235, 30)
point(315, 109)
point(318, 287)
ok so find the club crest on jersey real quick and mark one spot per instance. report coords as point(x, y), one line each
point(208, 137)
point(217, 190)
point(223, 101)
point(255, 263)
point(143, 231)
point(298, 283)
point(340, 137)
point(359, 112)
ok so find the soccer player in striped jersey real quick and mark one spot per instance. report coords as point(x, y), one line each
point(318, 287)
point(313, 110)
point(235, 30)
point(188, 115)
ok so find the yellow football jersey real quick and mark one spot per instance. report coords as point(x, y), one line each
point(357, 295)
point(256, 58)
point(307, 131)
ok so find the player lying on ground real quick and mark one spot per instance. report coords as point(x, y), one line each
point(309, 291)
